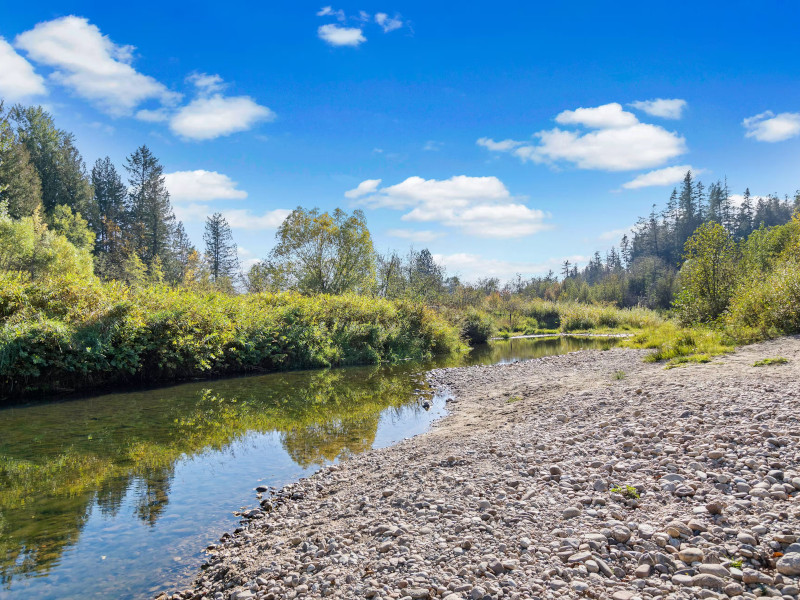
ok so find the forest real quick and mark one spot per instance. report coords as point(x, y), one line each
point(101, 284)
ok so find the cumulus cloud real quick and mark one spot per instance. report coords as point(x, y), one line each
point(769, 127)
point(367, 186)
point(388, 23)
point(91, 65)
point(419, 237)
point(206, 83)
point(607, 116)
point(202, 186)
point(666, 108)
point(479, 206)
point(617, 141)
point(341, 36)
point(667, 176)
point(18, 80)
point(210, 117)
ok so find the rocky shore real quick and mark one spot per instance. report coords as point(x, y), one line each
point(592, 475)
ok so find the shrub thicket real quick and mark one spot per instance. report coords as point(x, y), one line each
point(74, 332)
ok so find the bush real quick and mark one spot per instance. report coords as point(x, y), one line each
point(767, 304)
point(71, 333)
point(477, 326)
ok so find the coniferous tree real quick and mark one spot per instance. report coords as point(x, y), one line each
point(20, 186)
point(57, 161)
point(221, 251)
point(152, 222)
point(744, 218)
point(109, 198)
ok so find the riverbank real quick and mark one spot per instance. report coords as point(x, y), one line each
point(529, 489)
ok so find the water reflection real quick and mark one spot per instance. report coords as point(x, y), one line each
point(87, 485)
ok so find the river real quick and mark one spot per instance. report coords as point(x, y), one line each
point(115, 496)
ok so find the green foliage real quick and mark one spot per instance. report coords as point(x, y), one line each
point(72, 226)
point(513, 399)
point(74, 331)
point(321, 253)
point(679, 345)
point(477, 326)
point(736, 563)
point(708, 275)
point(28, 245)
point(20, 185)
point(619, 375)
point(627, 490)
point(778, 360)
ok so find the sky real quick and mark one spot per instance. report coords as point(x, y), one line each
point(506, 137)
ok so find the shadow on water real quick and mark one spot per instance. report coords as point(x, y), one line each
point(114, 495)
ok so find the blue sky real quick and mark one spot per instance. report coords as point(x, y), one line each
point(505, 137)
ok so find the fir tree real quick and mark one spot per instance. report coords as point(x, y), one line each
point(221, 251)
point(152, 222)
point(109, 197)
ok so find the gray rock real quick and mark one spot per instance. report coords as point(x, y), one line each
point(789, 564)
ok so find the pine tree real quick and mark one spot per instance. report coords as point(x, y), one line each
point(221, 252)
point(152, 222)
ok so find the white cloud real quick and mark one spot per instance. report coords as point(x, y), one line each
point(667, 176)
point(239, 218)
point(471, 267)
point(91, 65)
point(201, 186)
point(388, 23)
point(502, 146)
point(215, 116)
point(736, 200)
point(327, 11)
point(479, 206)
point(615, 234)
point(666, 108)
point(769, 127)
point(158, 115)
point(432, 146)
point(245, 219)
point(341, 36)
point(206, 83)
point(420, 237)
point(607, 116)
point(367, 186)
point(619, 141)
point(18, 80)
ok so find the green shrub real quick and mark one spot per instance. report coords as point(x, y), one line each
point(477, 326)
point(72, 332)
point(768, 304)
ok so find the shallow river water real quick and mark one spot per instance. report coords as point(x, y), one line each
point(115, 496)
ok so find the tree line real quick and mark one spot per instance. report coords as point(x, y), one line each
point(128, 226)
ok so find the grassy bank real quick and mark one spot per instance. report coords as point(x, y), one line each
point(68, 333)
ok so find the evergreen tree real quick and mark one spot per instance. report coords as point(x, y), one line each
point(109, 198)
point(152, 222)
point(57, 161)
point(184, 253)
point(221, 251)
point(20, 186)
point(744, 218)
